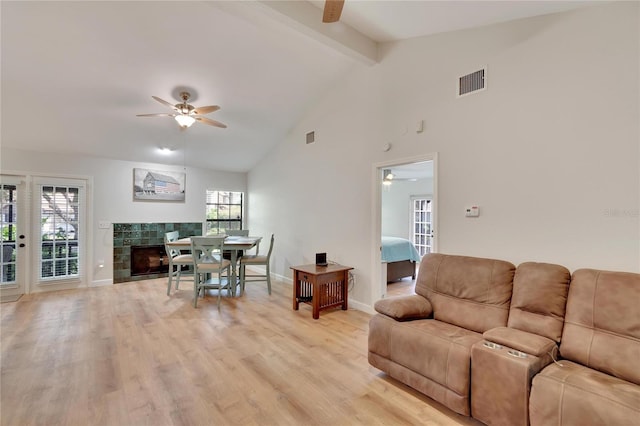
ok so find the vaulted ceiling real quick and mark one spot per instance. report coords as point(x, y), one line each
point(75, 74)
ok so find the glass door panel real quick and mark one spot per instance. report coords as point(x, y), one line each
point(422, 235)
point(12, 239)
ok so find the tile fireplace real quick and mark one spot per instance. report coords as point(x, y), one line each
point(148, 240)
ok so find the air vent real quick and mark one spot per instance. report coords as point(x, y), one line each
point(471, 83)
point(311, 137)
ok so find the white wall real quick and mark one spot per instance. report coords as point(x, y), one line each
point(549, 152)
point(113, 196)
point(396, 205)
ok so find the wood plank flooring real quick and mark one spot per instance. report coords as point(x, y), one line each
point(400, 288)
point(127, 354)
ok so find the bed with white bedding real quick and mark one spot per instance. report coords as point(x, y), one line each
point(401, 256)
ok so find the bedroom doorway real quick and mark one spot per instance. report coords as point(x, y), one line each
point(405, 210)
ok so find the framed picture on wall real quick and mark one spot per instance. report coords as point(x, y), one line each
point(156, 185)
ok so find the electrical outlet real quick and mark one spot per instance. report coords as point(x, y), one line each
point(104, 224)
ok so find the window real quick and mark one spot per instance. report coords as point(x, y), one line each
point(224, 211)
point(59, 226)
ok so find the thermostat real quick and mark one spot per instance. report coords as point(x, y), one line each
point(473, 211)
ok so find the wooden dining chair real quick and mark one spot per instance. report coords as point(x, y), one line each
point(256, 260)
point(207, 259)
point(176, 259)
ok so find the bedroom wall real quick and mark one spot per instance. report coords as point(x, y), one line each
point(549, 152)
point(396, 205)
point(113, 197)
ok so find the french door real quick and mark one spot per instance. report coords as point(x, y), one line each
point(13, 224)
point(43, 234)
point(422, 224)
point(59, 223)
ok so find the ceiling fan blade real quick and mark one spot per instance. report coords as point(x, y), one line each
point(206, 109)
point(163, 102)
point(210, 122)
point(156, 115)
point(332, 10)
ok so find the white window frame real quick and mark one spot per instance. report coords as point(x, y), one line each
point(242, 209)
point(83, 253)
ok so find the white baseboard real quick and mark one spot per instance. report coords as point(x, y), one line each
point(354, 304)
point(101, 283)
point(286, 280)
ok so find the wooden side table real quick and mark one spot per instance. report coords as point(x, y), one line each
point(322, 287)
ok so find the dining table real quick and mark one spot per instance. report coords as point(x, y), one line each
point(231, 243)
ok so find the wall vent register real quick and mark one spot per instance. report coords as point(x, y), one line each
point(471, 83)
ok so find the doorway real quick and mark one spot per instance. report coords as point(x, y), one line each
point(405, 208)
point(43, 234)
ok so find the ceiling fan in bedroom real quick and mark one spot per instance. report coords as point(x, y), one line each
point(186, 114)
point(388, 177)
point(332, 10)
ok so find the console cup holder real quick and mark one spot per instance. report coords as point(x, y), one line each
point(517, 354)
point(492, 345)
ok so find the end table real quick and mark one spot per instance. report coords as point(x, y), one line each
point(322, 287)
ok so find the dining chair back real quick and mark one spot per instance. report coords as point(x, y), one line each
point(256, 260)
point(235, 233)
point(176, 259)
point(208, 260)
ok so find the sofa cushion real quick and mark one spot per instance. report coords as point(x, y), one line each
point(539, 299)
point(433, 349)
point(469, 292)
point(403, 308)
point(602, 323)
point(572, 394)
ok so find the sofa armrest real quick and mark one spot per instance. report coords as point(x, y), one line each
point(404, 308)
point(523, 341)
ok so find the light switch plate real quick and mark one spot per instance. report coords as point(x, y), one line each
point(104, 224)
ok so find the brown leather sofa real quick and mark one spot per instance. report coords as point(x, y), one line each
point(425, 340)
point(504, 363)
point(481, 337)
point(598, 379)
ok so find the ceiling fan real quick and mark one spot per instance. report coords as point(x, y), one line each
point(332, 10)
point(388, 177)
point(186, 114)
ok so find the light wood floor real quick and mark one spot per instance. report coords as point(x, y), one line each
point(129, 355)
point(403, 287)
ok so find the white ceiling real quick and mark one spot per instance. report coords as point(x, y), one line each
point(75, 74)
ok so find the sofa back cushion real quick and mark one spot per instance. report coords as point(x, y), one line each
point(602, 323)
point(539, 299)
point(469, 292)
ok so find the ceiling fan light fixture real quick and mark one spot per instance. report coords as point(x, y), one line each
point(185, 120)
point(387, 177)
point(186, 114)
